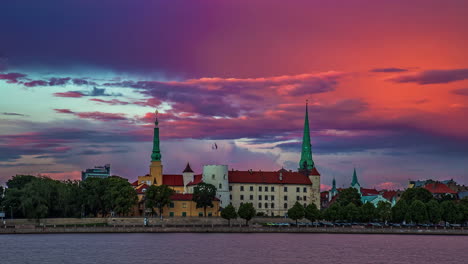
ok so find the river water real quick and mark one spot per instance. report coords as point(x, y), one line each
point(232, 248)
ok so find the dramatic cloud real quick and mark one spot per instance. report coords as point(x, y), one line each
point(12, 114)
point(11, 77)
point(391, 70)
point(72, 94)
point(433, 76)
point(110, 102)
point(94, 115)
point(461, 91)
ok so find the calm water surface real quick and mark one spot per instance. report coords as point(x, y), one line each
point(232, 248)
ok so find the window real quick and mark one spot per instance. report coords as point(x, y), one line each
point(259, 188)
point(242, 197)
point(171, 214)
point(272, 197)
point(285, 189)
point(184, 214)
point(210, 214)
point(230, 197)
point(251, 188)
point(266, 188)
point(266, 205)
point(272, 188)
point(305, 198)
point(305, 189)
point(272, 205)
point(285, 197)
point(266, 197)
point(184, 205)
point(242, 188)
point(171, 205)
point(259, 205)
point(285, 205)
point(230, 188)
point(298, 189)
point(298, 198)
point(260, 197)
point(251, 197)
point(213, 176)
point(220, 186)
point(200, 214)
point(224, 177)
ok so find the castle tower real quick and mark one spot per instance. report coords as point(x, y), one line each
point(187, 175)
point(156, 168)
point(218, 176)
point(306, 163)
point(355, 183)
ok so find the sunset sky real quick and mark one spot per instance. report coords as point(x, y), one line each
point(387, 84)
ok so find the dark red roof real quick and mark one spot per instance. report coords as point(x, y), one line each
point(438, 187)
point(314, 172)
point(185, 197)
point(268, 177)
point(135, 183)
point(140, 188)
point(369, 192)
point(323, 195)
point(196, 180)
point(173, 180)
point(389, 195)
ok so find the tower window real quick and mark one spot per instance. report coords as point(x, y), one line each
point(242, 188)
point(213, 176)
point(285, 205)
point(251, 197)
point(285, 197)
point(285, 189)
point(220, 186)
point(242, 197)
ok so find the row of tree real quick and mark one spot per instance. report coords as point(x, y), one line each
point(38, 197)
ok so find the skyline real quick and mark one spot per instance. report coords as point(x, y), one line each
point(387, 86)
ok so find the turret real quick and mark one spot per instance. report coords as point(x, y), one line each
point(187, 175)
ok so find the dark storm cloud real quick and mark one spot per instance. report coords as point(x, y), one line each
point(383, 70)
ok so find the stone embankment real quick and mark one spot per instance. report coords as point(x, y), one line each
point(195, 225)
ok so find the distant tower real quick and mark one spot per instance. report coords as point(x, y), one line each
point(218, 176)
point(333, 191)
point(355, 183)
point(187, 174)
point(306, 163)
point(156, 168)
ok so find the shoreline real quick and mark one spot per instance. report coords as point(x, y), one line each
point(233, 229)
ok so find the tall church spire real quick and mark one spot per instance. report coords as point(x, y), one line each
point(306, 162)
point(355, 180)
point(156, 155)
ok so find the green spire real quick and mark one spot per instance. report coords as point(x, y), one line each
point(355, 181)
point(306, 162)
point(333, 186)
point(156, 155)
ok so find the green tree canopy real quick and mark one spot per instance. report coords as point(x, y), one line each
point(247, 212)
point(158, 197)
point(333, 212)
point(367, 212)
point(349, 195)
point(399, 211)
point(203, 195)
point(449, 212)
point(119, 196)
point(229, 213)
point(311, 212)
point(413, 194)
point(384, 211)
point(434, 211)
point(296, 212)
point(417, 212)
point(19, 181)
point(351, 212)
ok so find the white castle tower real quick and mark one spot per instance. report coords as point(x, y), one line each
point(218, 176)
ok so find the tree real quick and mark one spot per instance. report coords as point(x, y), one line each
point(434, 211)
point(449, 212)
point(158, 197)
point(399, 211)
point(247, 212)
point(120, 196)
point(349, 195)
point(333, 212)
point(311, 212)
point(412, 194)
point(296, 212)
point(94, 191)
point(19, 181)
point(203, 195)
point(417, 212)
point(229, 213)
point(464, 209)
point(384, 211)
point(350, 212)
point(367, 212)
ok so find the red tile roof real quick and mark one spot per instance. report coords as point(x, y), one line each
point(268, 177)
point(196, 180)
point(135, 183)
point(438, 188)
point(173, 180)
point(140, 188)
point(369, 192)
point(185, 197)
point(314, 172)
point(389, 195)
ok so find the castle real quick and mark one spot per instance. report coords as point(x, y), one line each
point(271, 192)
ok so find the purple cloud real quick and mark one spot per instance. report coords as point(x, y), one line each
point(461, 91)
point(11, 77)
point(433, 76)
point(383, 70)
